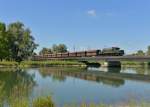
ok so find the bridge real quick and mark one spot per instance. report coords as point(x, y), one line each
point(109, 58)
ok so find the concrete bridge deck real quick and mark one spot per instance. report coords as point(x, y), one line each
point(107, 58)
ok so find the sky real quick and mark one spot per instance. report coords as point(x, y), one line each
point(83, 24)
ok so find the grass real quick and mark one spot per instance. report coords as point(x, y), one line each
point(38, 102)
point(41, 63)
point(8, 63)
point(134, 64)
point(43, 102)
point(131, 103)
point(64, 63)
point(47, 102)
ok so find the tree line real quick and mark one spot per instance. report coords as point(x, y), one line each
point(60, 48)
point(16, 42)
point(142, 53)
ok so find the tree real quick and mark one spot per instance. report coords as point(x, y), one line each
point(148, 50)
point(61, 48)
point(4, 51)
point(54, 48)
point(45, 51)
point(140, 53)
point(21, 42)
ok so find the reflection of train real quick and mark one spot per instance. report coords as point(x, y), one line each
point(99, 77)
point(113, 51)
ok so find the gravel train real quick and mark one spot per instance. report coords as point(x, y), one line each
point(113, 51)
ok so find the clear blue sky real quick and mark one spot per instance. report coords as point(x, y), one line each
point(83, 23)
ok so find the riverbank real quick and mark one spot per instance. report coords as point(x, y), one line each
point(48, 102)
point(134, 64)
point(41, 64)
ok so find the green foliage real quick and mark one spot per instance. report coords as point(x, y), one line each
point(41, 63)
point(4, 50)
point(43, 102)
point(21, 42)
point(19, 103)
point(61, 48)
point(139, 53)
point(8, 63)
point(45, 51)
point(16, 42)
point(51, 63)
point(148, 50)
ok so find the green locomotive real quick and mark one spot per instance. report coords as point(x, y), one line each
point(113, 51)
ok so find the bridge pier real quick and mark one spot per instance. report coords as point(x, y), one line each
point(111, 64)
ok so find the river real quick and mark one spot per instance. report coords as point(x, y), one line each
point(77, 85)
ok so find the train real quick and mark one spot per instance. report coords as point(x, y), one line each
point(113, 51)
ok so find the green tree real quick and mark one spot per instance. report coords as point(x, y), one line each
point(21, 42)
point(4, 51)
point(61, 48)
point(54, 48)
point(148, 50)
point(45, 51)
point(140, 53)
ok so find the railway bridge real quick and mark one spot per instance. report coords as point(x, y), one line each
point(108, 60)
point(114, 60)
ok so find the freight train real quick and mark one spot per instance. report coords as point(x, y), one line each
point(113, 51)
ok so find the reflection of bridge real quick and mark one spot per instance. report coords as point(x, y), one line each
point(109, 78)
point(84, 75)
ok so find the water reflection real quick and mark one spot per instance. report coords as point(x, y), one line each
point(105, 69)
point(67, 85)
point(61, 74)
point(15, 84)
point(136, 70)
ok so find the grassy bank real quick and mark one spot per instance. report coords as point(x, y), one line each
point(8, 64)
point(41, 63)
point(134, 64)
point(48, 102)
point(65, 63)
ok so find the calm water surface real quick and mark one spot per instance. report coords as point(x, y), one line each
point(76, 85)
